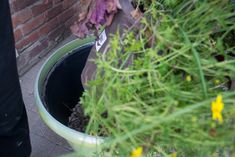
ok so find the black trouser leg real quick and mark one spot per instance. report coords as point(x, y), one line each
point(14, 131)
point(16, 143)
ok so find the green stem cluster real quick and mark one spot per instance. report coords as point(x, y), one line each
point(157, 82)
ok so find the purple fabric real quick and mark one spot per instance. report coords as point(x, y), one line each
point(98, 14)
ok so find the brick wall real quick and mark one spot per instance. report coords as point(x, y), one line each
point(39, 27)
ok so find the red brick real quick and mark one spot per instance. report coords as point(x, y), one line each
point(12, 8)
point(27, 41)
point(40, 8)
point(68, 3)
point(48, 27)
point(57, 1)
point(21, 17)
point(70, 21)
point(66, 15)
point(38, 48)
point(56, 33)
point(76, 6)
point(54, 12)
point(18, 35)
point(18, 5)
point(33, 24)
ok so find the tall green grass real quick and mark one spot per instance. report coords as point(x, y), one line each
point(155, 85)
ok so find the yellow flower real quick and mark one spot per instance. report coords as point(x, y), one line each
point(214, 155)
point(137, 152)
point(188, 78)
point(194, 119)
point(217, 107)
point(174, 155)
point(216, 82)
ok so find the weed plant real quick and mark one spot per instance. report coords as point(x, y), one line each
point(155, 86)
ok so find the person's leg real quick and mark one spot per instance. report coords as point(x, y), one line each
point(14, 131)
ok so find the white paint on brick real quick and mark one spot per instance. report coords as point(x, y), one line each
point(17, 54)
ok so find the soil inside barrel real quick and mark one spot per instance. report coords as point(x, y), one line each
point(78, 120)
point(63, 88)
